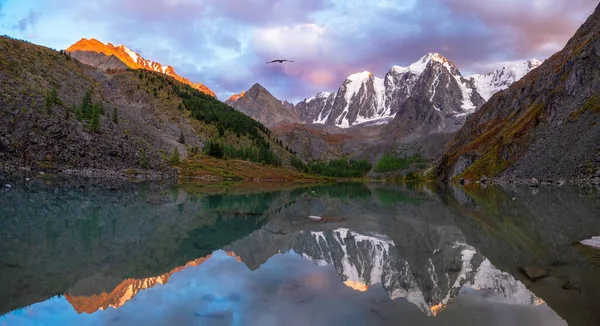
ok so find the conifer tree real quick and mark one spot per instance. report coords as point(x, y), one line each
point(78, 114)
point(115, 116)
point(86, 105)
point(175, 159)
point(95, 120)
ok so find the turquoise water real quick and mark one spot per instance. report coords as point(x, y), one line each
point(162, 254)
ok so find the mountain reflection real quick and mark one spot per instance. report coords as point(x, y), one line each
point(126, 290)
point(380, 255)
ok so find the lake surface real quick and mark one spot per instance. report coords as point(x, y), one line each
point(166, 254)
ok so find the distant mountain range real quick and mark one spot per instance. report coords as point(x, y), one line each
point(107, 56)
point(366, 99)
point(527, 119)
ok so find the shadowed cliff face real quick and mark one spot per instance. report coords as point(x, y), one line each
point(431, 256)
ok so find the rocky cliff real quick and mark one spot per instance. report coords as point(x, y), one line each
point(544, 126)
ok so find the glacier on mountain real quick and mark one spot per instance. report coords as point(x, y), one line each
point(495, 81)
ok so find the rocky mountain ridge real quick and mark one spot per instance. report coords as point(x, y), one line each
point(102, 56)
point(428, 96)
point(259, 104)
point(364, 98)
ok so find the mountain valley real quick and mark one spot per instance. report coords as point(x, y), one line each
point(456, 127)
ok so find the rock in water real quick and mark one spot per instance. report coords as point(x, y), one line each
point(534, 183)
point(594, 242)
point(534, 273)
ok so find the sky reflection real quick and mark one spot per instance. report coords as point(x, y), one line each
point(287, 290)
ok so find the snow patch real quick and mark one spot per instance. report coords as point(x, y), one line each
point(489, 84)
point(318, 95)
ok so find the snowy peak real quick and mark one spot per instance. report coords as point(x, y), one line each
point(364, 99)
point(419, 66)
point(500, 79)
point(319, 95)
point(360, 76)
point(130, 58)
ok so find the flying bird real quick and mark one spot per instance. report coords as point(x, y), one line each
point(280, 61)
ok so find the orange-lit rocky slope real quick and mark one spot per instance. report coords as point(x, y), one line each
point(236, 97)
point(130, 58)
point(127, 289)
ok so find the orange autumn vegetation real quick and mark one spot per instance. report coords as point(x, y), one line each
point(203, 167)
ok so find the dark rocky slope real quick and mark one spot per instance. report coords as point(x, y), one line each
point(99, 60)
point(545, 126)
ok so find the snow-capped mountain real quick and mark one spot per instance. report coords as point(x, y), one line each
point(429, 280)
point(433, 81)
point(366, 98)
point(100, 55)
point(493, 82)
point(363, 260)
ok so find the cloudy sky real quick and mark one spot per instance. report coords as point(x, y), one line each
point(225, 43)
